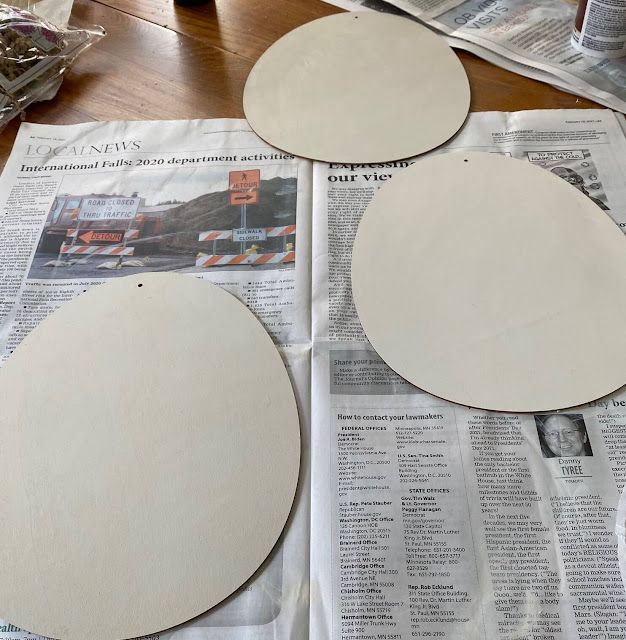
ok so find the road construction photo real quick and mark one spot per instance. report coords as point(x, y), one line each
point(247, 223)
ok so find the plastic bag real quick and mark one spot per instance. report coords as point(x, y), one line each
point(55, 11)
point(34, 55)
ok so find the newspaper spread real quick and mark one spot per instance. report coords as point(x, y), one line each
point(415, 517)
point(529, 37)
point(85, 203)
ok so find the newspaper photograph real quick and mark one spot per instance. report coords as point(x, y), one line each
point(108, 235)
point(414, 517)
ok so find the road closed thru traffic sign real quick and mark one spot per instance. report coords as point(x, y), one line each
point(108, 208)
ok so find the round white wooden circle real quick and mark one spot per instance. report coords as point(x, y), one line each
point(357, 87)
point(149, 458)
point(493, 283)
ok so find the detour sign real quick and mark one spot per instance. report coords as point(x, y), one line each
point(244, 186)
point(101, 237)
point(244, 180)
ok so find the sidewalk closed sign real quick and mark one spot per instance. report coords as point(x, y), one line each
point(249, 235)
point(108, 208)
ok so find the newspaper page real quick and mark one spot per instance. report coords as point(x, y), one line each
point(529, 38)
point(434, 520)
point(457, 43)
point(85, 203)
point(535, 34)
point(620, 532)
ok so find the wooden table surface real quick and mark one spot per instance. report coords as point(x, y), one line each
point(163, 61)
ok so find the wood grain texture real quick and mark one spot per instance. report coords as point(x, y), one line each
point(244, 27)
point(162, 61)
point(494, 89)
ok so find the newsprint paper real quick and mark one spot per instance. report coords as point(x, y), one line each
point(528, 37)
point(415, 518)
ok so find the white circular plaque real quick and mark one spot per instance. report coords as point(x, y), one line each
point(357, 87)
point(493, 283)
point(148, 461)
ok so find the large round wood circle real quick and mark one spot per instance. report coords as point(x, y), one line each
point(493, 283)
point(357, 87)
point(149, 458)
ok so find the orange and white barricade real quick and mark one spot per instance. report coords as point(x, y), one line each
point(129, 234)
point(253, 259)
point(226, 234)
point(275, 232)
point(78, 249)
